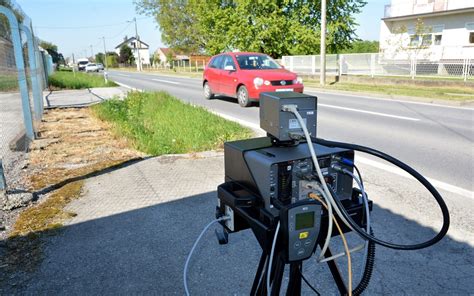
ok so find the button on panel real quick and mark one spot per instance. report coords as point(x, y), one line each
point(297, 245)
point(307, 242)
point(304, 234)
point(300, 252)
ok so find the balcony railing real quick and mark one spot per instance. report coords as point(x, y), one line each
point(412, 7)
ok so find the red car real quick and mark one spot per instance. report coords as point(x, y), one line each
point(244, 75)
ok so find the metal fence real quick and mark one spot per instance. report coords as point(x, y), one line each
point(24, 69)
point(374, 64)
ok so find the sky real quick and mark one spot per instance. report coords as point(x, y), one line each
point(75, 25)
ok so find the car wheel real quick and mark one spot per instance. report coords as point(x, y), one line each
point(243, 97)
point(208, 95)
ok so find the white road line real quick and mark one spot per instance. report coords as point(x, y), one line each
point(388, 100)
point(369, 112)
point(165, 81)
point(128, 86)
point(400, 172)
point(255, 127)
point(124, 75)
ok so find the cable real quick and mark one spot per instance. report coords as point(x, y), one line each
point(306, 281)
point(411, 171)
point(344, 241)
point(270, 261)
point(185, 271)
point(327, 196)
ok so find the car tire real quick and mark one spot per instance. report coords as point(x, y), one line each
point(243, 97)
point(208, 95)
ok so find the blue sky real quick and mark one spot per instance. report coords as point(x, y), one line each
point(58, 21)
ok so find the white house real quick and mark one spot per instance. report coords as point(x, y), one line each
point(163, 53)
point(136, 46)
point(428, 30)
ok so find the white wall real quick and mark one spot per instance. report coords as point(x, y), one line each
point(454, 42)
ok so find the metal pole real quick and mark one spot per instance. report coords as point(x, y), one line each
point(20, 65)
point(92, 53)
point(105, 54)
point(322, 80)
point(139, 64)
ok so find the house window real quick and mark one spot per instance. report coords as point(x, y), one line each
point(414, 40)
point(426, 40)
point(471, 37)
point(437, 39)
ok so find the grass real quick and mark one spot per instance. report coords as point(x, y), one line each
point(8, 83)
point(428, 92)
point(157, 123)
point(77, 80)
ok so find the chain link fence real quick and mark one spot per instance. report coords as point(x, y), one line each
point(24, 71)
point(374, 64)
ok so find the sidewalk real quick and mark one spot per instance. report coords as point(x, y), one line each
point(135, 226)
point(81, 97)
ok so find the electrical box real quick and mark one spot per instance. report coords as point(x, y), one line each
point(279, 123)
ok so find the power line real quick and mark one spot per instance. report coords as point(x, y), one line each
point(85, 27)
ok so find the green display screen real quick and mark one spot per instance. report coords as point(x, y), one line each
point(304, 220)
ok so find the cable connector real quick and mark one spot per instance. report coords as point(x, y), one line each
point(289, 108)
point(337, 167)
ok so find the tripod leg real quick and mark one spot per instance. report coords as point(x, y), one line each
point(294, 285)
point(277, 276)
point(258, 281)
point(336, 274)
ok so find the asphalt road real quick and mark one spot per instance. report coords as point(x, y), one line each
point(436, 140)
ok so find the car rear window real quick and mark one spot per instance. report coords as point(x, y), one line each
point(91, 65)
point(256, 62)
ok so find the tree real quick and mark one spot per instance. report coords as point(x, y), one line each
point(52, 49)
point(126, 55)
point(362, 46)
point(411, 42)
point(276, 27)
point(100, 58)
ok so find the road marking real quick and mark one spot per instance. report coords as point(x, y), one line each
point(128, 86)
point(124, 75)
point(255, 127)
point(388, 100)
point(369, 112)
point(402, 173)
point(165, 81)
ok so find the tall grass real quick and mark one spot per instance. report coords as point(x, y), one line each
point(8, 83)
point(77, 80)
point(158, 123)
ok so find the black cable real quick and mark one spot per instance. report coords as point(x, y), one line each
point(307, 283)
point(359, 175)
point(408, 169)
point(368, 270)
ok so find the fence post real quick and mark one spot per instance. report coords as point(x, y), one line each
point(20, 65)
point(341, 65)
point(372, 65)
point(413, 68)
point(37, 94)
point(3, 182)
point(203, 65)
point(313, 64)
point(291, 63)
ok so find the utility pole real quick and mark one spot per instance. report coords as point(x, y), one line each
point(105, 54)
point(92, 53)
point(137, 46)
point(322, 75)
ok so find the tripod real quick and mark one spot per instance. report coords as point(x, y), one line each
point(259, 287)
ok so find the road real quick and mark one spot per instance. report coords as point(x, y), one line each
point(436, 140)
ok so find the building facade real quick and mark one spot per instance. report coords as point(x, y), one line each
point(136, 46)
point(428, 30)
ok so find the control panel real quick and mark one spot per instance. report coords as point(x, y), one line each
point(300, 224)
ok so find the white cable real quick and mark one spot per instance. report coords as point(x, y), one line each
point(185, 272)
point(270, 260)
point(330, 222)
point(294, 110)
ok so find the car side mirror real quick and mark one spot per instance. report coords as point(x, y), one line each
point(229, 68)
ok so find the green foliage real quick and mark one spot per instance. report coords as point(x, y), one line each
point(362, 46)
point(77, 80)
point(126, 55)
point(8, 82)
point(275, 27)
point(112, 61)
point(158, 123)
point(52, 49)
point(100, 58)
point(48, 45)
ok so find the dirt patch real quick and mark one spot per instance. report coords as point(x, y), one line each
point(72, 143)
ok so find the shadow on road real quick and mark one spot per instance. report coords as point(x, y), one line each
point(144, 250)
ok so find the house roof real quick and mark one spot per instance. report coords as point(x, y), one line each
point(166, 50)
point(130, 40)
point(429, 14)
